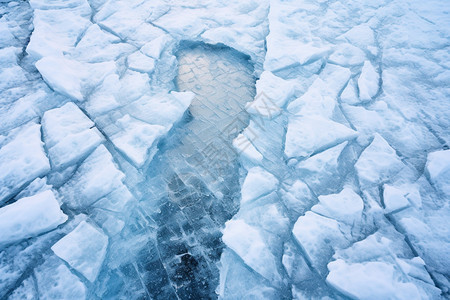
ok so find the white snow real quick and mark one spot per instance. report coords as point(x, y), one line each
point(343, 169)
point(30, 216)
point(307, 135)
point(84, 249)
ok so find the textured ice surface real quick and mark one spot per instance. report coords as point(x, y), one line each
point(224, 149)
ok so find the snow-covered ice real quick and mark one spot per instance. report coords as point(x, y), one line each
point(224, 149)
point(30, 216)
point(84, 249)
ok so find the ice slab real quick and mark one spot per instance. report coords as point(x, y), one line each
point(95, 178)
point(248, 242)
point(307, 135)
point(161, 109)
point(438, 167)
point(347, 206)
point(137, 139)
point(55, 281)
point(318, 100)
point(368, 82)
point(257, 183)
point(394, 199)
point(272, 93)
point(55, 31)
point(30, 216)
point(84, 249)
point(378, 163)
point(319, 236)
point(22, 159)
point(322, 171)
point(370, 280)
point(347, 55)
point(69, 135)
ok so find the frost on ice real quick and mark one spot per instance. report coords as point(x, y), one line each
point(224, 149)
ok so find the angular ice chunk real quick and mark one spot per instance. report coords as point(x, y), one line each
point(137, 139)
point(319, 236)
point(347, 55)
point(277, 57)
point(69, 134)
point(378, 163)
point(55, 281)
point(155, 47)
point(55, 31)
point(394, 199)
point(257, 183)
point(316, 101)
point(438, 168)
point(84, 249)
point(370, 280)
point(97, 45)
point(368, 82)
point(161, 109)
point(297, 197)
point(272, 93)
point(140, 62)
point(71, 77)
point(321, 171)
point(361, 36)
point(307, 135)
point(96, 177)
point(30, 216)
point(246, 149)
point(347, 206)
point(247, 242)
point(349, 94)
point(22, 159)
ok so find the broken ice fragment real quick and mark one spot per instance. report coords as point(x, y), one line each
point(30, 216)
point(307, 135)
point(137, 139)
point(257, 183)
point(438, 168)
point(347, 206)
point(378, 163)
point(22, 159)
point(368, 82)
point(84, 249)
point(69, 134)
